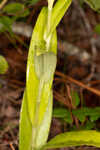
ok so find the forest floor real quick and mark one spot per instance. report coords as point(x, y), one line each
point(78, 69)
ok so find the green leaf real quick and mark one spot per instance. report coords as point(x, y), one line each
point(81, 2)
point(94, 113)
point(13, 8)
point(39, 79)
point(5, 23)
point(63, 113)
point(75, 138)
point(75, 98)
point(32, 2)
point(39, 42)
point(17, 9)
point(3, 65)
point(60, 112)
point(97, 28)
point(82, 113)
point(94, 4)
point(41, 65)
point(58, 12)
point(88, 125)
point(25, 13)
point(34, 81)
point(68, 119)
point(25, 133)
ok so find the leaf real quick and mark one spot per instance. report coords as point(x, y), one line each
point(97, 28)
point(32, 81)
point(88, 125)
point(80, 114)
point(5, 23)
point(3, 65)
point(39, 42)
point(32, 2)
point(26, 135)
point(25, 130)
point(25, 13)
point(68, 119)
point(13, 8)
point(92, 113)
point(39, 79)
point(63, 113)
point(40, 71)
point(75, 138)
point(57, 13)
point(81, 2)
point(16, 9)
point(94, 4)
point(75, 98)
point(60, 112)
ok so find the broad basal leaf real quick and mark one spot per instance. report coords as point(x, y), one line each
point(75, 138)
point(40, 70)
point(25, 133)
point(31, 137)
point(37, 102)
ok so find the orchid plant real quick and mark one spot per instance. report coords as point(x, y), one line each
point(36, 111)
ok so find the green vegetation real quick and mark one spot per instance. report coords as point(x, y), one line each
point(84, 114)
point(37, 101)
point(37, 105)
point(3, 65)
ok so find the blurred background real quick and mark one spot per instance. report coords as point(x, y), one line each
point(76, 85)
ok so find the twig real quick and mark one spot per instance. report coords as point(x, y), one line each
point(97, 92)
point(94, 82)
point(61, 99)
point(11, 146)
point(3, 3)
point(91, 74)
point(73, 107)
